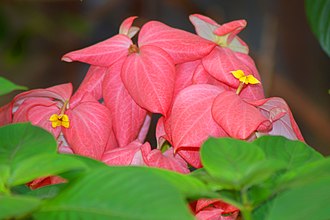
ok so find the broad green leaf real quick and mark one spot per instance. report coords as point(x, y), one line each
point(47, 192)
point(7, 86)
point(28, 152)
point(310, 201)
point(305, 174)
point(318, 15)
point(261, 171)
point(23, 140)
point(229, 160)
point(20, 189)
point(17, 206)
point(190, 186)
point(42, 165)
point(122, 193)
point(293, 153)
point(89, 163)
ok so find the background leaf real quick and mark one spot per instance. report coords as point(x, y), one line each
point(17, 206)
point(318, 15)
point(118, 193)
point(7, 86)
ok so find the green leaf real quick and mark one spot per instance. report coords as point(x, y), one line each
point(42, 165)
point(123, 193)
point(190, 186)
point(261, 171)
point(89, 164)
point(47, 192)
point(23, 140)
point(7, 86)
point(305, 174)
point(293, 153)
point(17, 206)
point(310, 201)
point(318, 15)
point(28, 152)
point(229, 160)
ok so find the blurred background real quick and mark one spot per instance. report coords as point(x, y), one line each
point(34, 34)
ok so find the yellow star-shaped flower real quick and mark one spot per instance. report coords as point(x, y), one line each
point(249, 79)
point(60, 120)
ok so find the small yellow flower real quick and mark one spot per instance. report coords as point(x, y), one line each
point(249, 79)
point(60, 120)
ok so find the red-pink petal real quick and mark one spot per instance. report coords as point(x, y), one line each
point(191, 121)
point(279, 113)
point(232, 28)
point(61, 92)
point(127, 117)
point(156, 158)
point(160, 132)
point(126, 27)
point(238, 118)
point(256, 91)
point(204, 26)
point(89, 129)
point(201, 76)
point(145, 128)
point(182, 46)
point(92, 83)
point(6, 114)
point(38, 111)
point(221, 61)
point(184, 74)
point(192, 157)
point(149, 78)
point(215, 214)
point(123, 155)
point(104, 53)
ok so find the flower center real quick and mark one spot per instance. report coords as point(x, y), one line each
point(133, 49)
point(61, 119)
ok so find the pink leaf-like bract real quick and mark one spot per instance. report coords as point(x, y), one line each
point(126, 27)
point(127, 117)
point(223, 35)
point(37, 111)
point(167, 160)
point(191, 121)
point(221, 61)
point(89, 129)
point(104, 53)
point(60, 92)
point(92, 83)
point(182, 46)
point(128, 155)
point(149, 78)
point(279, 113)
point(192, 157)
point(204, 26)
point(238, 118)
point(184, 75)
point(231, 28)
point(6, 114)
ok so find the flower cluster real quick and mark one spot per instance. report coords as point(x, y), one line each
point(201, 85)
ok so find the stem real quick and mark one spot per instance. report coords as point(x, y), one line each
point(247, 207)
point(240, 87)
